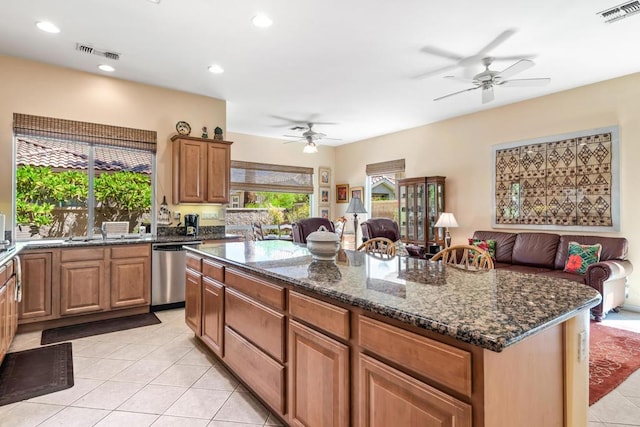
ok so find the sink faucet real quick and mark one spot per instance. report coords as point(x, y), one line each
point(102, 230)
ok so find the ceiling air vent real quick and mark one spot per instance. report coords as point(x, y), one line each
point(89, 49)
point(623, 10)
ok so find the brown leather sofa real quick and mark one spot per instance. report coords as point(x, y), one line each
point(304, 227)
point(546, 253)
point(380, 227)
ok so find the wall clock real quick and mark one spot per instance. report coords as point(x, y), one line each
point(183, 128)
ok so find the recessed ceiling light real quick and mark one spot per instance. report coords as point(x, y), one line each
point(47, 27)
point(107, 68)
point(154, 1)
point(261, 21)
point(216, 69)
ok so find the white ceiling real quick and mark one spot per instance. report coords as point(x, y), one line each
point(352, 62)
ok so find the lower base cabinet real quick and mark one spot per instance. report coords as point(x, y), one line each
point(389, 397)
point(318, 379)
point(193, 301)
point(212, 315)
point(82, 288)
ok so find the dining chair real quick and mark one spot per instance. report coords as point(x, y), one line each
point(379, 246)
point(258, 234)
point(303, 227)
point(468, 257)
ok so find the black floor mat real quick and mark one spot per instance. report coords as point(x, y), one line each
point(31, 373)
point(67, 333)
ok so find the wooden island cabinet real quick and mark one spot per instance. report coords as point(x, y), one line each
point(80, 284)
point(315, 360)
point(8, 305)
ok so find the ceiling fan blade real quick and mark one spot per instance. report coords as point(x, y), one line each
point(487, 95)
point(512, 57)
point(526, 82)
point(441, 52)
point(435, 71)
point(294, 136)
point(456, 93)
point(502, 37)
point(516, 68)
point(459, 79)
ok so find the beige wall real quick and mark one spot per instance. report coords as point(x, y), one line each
point(45, 90)
point(460, 150)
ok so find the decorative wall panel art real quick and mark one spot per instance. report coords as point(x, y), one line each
point(561, 182)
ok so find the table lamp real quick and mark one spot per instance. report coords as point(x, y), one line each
point(446, 220)
point(355, 207)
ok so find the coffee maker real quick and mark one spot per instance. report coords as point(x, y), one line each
point(191, 224)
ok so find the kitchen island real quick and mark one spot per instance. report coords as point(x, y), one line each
point(365, 341)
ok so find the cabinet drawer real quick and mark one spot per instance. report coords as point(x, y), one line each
point(194, 262)
point(447, 365)
point(262, 291)
point(132, 251)
point(259, 324)
point(328, 317)
point(263, 374)
point(84, 254)
point(9, 266)
point(213, 270)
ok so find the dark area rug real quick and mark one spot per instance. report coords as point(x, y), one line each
point(614, 354)
point(31, 373)
point(73, 332)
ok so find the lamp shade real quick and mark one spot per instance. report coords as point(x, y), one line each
point(446, 220)
point(355, 206)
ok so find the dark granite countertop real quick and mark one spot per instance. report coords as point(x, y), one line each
point(491, 309)
point(129, 240)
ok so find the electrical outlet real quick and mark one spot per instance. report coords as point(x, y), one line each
point(176, 215)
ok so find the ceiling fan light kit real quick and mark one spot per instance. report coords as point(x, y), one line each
point(310, 148)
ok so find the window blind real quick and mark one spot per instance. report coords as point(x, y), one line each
point(249, 176)
point(385, 168)
point(93, 133)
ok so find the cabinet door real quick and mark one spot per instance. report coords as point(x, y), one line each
point(83, 288)
point(36, 286)
point(318, 379)
point(218, 172)
point(12, 308)
point(193, 301)
point(130, 282)
point(389, 397)
point(213, 315)
point(192, 171)
point(4, 321)
point(402, 208)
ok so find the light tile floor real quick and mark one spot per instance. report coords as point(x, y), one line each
point(156, 375)
point(159, 375)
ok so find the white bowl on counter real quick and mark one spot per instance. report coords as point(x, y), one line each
point(323, 244)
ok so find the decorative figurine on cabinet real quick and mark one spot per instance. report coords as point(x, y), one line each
point(205, 132)
point(217, 134)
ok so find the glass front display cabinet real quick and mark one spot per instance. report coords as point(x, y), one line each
point(420, 203)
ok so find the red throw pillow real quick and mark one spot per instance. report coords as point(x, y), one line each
point(486, 245)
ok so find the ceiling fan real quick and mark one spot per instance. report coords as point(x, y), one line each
point(467, 62)
point(310, 136)
point(487, 79)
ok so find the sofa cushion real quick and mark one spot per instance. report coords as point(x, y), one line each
point(535, 249)
point(581, 256)
point(559, 274)
point(612, 247)
point(504, 243)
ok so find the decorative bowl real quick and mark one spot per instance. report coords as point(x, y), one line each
point(323, 244)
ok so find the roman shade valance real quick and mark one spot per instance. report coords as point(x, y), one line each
point(92, 133)
point(386, 168)
point(249, 176)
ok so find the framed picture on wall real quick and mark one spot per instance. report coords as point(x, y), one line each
point(325, 212)
point(324, 176)
point(325, 195)
point(358, 193)
point(342, 193)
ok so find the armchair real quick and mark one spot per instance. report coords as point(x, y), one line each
point(380, 227)
point(304, 227)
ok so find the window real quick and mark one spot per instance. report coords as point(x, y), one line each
point(382, 188)
point(72, 177)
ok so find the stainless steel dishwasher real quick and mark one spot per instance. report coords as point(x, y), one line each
point(168, 265)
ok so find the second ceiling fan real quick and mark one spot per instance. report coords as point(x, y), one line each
point(488, 79)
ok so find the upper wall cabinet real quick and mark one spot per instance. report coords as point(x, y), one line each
point(201, 170)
